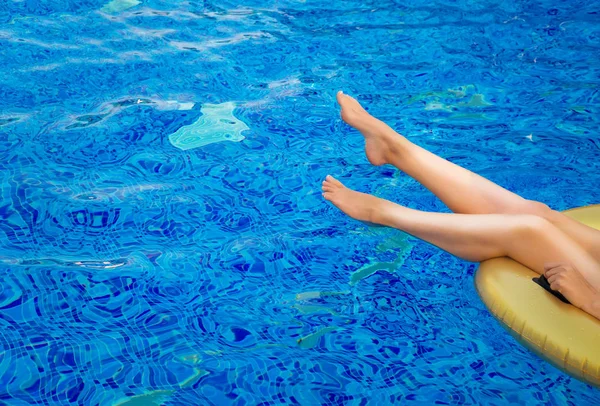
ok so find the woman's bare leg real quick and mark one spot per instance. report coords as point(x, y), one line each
point(528, 239)
point(460, 189)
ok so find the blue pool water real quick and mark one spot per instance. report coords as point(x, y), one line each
point(163, 239)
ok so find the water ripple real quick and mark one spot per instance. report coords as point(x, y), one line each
point(133, 271)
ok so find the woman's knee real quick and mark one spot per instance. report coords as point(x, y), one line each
point(534, 226)
point(539, 209)
point(533, 208)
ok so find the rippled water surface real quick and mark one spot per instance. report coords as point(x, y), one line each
point(163, 239)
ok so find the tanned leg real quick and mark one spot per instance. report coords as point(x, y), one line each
point(530, 240)
point(460, 189)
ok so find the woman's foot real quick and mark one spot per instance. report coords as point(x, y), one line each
point(359, 206)
point(381, 142)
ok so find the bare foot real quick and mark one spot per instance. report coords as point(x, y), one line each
point(380, 140)
point(359, 206)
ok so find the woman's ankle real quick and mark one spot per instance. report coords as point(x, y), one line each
point(399, 151)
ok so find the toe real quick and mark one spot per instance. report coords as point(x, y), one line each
point(340, 97)
point(329, 180)
point(327, 195)
point(336, 182)
point(332, 182)
point(328, 184)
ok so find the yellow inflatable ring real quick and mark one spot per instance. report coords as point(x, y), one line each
point(560, 333)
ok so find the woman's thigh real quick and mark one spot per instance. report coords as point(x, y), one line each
point(586, 237)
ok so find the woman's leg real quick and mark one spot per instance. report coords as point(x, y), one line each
point(528, 239)
point(461, 190)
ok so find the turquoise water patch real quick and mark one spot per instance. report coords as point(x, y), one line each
point(7, 120)
point(398, 244)
point(216, 124)
point(117, 6)
point(312, 339)
point(148, 399)
point(452, 99)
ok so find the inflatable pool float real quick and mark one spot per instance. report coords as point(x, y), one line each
point(558, 332)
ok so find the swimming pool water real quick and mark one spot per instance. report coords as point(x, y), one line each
point(146, 260)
